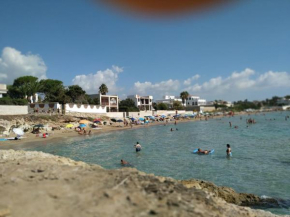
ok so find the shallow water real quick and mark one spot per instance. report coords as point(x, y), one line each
point(260, 162)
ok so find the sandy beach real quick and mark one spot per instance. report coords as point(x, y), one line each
point(66, 133)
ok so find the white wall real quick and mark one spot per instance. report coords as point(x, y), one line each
point(140, 114)
point(95, 109)
point(120, 115)
point(13, 109)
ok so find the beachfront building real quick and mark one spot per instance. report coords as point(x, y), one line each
point(169, 100)
point(195, 101)
point(3, 90)
point(110, 101)
point(220, 102)
point(144, 103)
point(283, 101)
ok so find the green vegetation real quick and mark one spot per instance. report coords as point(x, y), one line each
point(177, 105)
point(103, 89)
point(162, 106)
point(9, 101)
point(54, 91)
point(184, 95)
point(127, 105)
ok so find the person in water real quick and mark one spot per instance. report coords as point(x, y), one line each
point(123, 162)
point(202, 151)
point(138, 147)
point(229, 150)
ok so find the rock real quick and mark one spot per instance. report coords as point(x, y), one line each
point(48, 185)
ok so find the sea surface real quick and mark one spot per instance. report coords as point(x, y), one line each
point(260, 163)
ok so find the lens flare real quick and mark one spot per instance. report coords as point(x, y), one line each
point(165, 7)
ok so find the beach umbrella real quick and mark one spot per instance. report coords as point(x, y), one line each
point(18, 131)
point(119, 121)
point(113, 119)
point(163, 116)
point(133, 119)
point(84, 121)
point(141, 119)
point(152, 117)
point(83, 125)
point(69, 125)
point(97, 120)
point(38, 125)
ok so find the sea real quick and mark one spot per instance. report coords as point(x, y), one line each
point(260, 162)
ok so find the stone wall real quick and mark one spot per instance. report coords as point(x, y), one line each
point(52, 107)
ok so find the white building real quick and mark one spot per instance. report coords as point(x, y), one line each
point(169, 100)
point(144, 103)
point(283, 101)
point(195, 101)
point(3, 89)
point(110, 101)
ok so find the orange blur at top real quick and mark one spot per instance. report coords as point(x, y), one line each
point(164, 7)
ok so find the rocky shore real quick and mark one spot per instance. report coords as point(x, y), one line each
point(39, 184)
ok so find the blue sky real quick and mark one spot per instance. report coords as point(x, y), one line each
point(239, 51)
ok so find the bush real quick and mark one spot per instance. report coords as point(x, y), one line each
point(9, 101)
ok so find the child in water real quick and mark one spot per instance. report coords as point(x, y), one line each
point(229, 150)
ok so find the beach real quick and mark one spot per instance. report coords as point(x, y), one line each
point(111, 147)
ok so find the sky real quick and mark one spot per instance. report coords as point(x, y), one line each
point(234, 52)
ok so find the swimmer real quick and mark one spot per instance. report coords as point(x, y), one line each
point(230, 124)
point(203, 152)
point(124, 162)
point(138, 147)
point(229, 150)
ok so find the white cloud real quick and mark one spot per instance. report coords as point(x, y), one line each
point(242, 82)
point(14, 64)
point(158, 89)
point(91, 82)
point(189, 80)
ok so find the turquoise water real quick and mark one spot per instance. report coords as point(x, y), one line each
point(260, 162)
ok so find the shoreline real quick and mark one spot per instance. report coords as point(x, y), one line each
point(66, 134)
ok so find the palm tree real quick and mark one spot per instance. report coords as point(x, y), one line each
point(103, 89)
point(184, 95)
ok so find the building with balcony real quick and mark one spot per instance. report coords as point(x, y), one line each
point(169, 100)
point(144, 103)
point(195, 101)
point(110, 101)
point(3, 90)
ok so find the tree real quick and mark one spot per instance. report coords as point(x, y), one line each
point(162, 106)
point(177, 105)
point(53, 89)
point(128, 105)
point(103, 89)
point(184, 95)
point(23, 87)
point(287, 97)
point(76, 93)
